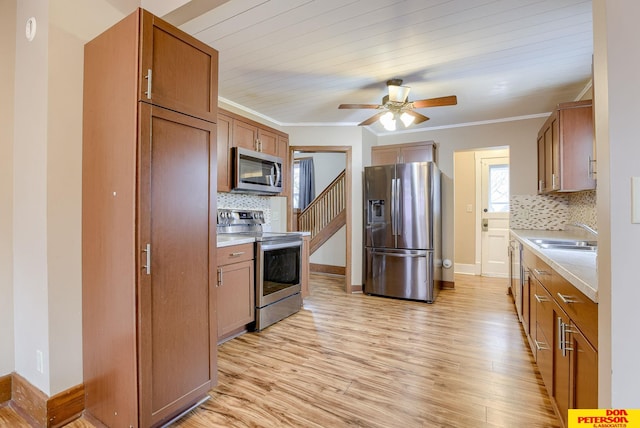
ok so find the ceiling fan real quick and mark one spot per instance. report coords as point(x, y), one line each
point(395, 105)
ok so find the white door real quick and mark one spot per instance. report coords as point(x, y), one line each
point(494, 216)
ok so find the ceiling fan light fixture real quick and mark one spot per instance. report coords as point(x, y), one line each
point(388, 121)
point(407, 119)
point(398, 94)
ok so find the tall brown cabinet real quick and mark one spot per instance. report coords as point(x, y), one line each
point(148, 222)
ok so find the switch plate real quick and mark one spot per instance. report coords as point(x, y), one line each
point(469, 208)
point(635, 199)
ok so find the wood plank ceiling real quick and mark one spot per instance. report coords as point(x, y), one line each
point(295, 61)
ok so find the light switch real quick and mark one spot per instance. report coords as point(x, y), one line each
point(635, 199)
point(469, 208)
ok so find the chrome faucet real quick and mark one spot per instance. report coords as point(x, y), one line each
point(585, 227)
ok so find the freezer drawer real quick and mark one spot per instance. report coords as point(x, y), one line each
point(405, 274)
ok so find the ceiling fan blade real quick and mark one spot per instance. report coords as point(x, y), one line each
point(359, 106)
point(451, 100)
point(371, 119)
point(419, 118)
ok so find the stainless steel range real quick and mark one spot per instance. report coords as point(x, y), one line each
point(278, 264)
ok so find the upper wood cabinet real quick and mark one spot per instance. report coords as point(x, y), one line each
point(225, 140)
point(177, 71)
point(238, 131)
point(403, 153)
point(565, 149)
point(148, 239)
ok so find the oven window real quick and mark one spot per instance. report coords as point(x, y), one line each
point(281, 269)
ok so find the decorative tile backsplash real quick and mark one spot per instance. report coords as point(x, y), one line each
point(552, 212)
point(539, 212)
point(246, 202)
point(582, 208)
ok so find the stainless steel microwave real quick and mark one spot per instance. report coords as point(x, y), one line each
point(256, 172)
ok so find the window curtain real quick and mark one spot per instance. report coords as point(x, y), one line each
point(307, 183)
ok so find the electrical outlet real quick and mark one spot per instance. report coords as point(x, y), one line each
point(39, 361)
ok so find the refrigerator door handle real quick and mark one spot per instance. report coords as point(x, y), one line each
point(398, 254)
point(394, 230)
point(398, 206)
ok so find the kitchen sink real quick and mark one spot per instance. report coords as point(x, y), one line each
point(566, 244)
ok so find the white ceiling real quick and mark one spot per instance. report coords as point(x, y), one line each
point(295, 61)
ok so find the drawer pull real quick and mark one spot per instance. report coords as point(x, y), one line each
point(541, 299)
point(236, 254)
point(541, 272)
point(541, 346)
point(567, 299)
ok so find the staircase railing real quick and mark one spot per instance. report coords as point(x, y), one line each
point(325, 214)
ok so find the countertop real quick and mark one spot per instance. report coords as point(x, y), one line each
point(577, 267)
point(226, 240)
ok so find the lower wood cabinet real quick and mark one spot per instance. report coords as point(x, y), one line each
point(564, 340)
point(236, 289)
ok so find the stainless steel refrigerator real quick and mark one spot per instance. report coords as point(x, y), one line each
point(402, 231)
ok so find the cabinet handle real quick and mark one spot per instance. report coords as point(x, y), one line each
point(148, 77)
point(541, 346)
point(540, 185)
point(567, 299)
point(219, 278)
point(541, 299)
point(540, 272)
point(553, 181)
point(561, 336)
point(147, 266)
point(592, 169)
point(236, 254)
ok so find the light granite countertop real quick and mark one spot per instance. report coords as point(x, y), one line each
point(577, 267)
point(229, 239)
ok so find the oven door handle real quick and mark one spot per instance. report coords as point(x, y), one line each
point(279, 245)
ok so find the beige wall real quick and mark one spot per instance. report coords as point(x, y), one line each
point(7, 67)
point(464, 164)
point(519, 136)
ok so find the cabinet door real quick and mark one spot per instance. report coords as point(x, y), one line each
point(283, 152)
point(561, 364)
point(177, 246)
point(541, 163)
point(177, 71)
point(548, 159)
point(245, 135)
point(417, 153)
point(385, 155)
point(236, 297)
point(576, 135)
point(584, 372)
point(225, 139)
point(267, 142)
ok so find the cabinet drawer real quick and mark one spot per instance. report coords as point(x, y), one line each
point(582, 310)
point(235, 254)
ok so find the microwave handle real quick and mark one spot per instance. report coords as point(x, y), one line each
point(277, 172)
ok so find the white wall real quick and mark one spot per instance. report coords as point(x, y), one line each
point(519, 135)
point(623, 68)
point(7, 67)
point(603, 204)
point(31, 292)
point(341, 136)
point(46, 203)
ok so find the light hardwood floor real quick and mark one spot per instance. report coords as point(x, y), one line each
point(364, 361)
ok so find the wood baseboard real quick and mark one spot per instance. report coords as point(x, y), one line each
point(356, 288)
point(334, 270)
point(44, 411)
point(5, 388)
point(447, 285)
